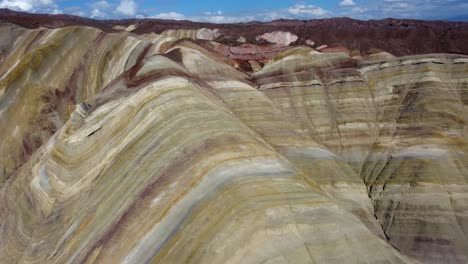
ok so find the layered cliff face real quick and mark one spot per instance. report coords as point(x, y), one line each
point(174, 148)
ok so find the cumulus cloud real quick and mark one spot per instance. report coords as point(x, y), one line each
point(46, 6)
point(208, 13)
point(351, 9)
point(346, 3)
point(96, 13)
point(358, 9)
point(170, 15)
point(127, 8)
point(415, 9)
point(395, 4)
point(306, 10)
point(101, 9)
point(220, 17)
point(224, 19)
point(373, 9)
point(212, 17)
point(297, 11)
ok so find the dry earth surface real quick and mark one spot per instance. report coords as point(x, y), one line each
point(150, 141)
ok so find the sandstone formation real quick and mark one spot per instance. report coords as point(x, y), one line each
point(241, 39)
point(278, 37)
point(310, 42)
point(176, 148)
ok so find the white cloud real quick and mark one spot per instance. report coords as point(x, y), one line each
point(306, 10)
point(170, 15)
point(127, 8)
point(17, 5)
point(31, 5)
point(95, 13)
point(212, 17)
point(390, 5)
point(373, 9)
point(346, 3)
point(219, 12)
point(296, 11)
point(358, 9)
point(414, 9)
point(224, 19)
point(101, 5)
point(101, 9)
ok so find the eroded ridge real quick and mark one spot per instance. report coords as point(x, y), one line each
point(175, 148)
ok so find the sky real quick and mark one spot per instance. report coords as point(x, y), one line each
point(247, 10)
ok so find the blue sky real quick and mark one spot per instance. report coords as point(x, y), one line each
point(247, 10)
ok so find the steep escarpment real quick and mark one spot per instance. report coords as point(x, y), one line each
point(177, 148)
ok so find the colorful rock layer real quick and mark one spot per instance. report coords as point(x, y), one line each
point(173, 148)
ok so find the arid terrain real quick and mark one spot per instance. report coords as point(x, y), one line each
point(397, 36)
point(155, 141)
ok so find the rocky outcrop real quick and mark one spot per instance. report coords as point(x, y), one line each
point(241, 39)
point(278, 37)
point(202, 34)
point(165, 148)
point(128, 29)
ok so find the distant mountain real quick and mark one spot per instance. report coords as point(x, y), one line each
point(396, 36)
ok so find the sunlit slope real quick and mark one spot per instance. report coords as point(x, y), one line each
point(173, 148)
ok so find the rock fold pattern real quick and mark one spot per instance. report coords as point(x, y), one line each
point(174, 148)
